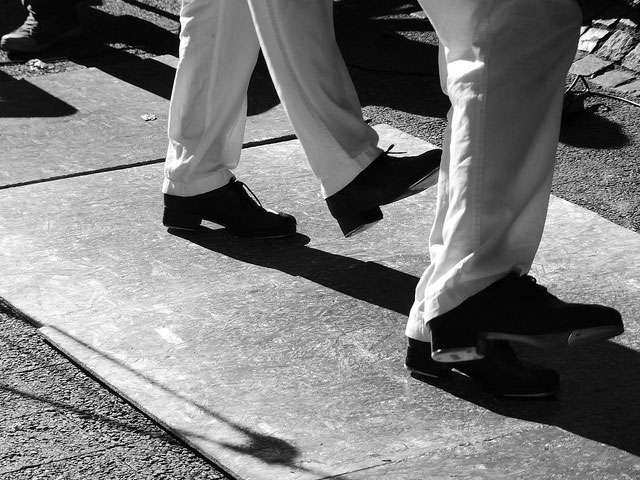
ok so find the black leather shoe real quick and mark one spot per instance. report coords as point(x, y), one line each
point(418, 360)
point(517, 309)
point(229, 206)
point(42, 32)
point(500, 372)
point(386, 180)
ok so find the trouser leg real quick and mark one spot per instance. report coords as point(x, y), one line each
point(218, 52)
point(206, 119)
point(503, 65)
point(298, 41)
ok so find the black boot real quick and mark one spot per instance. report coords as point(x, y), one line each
point(517, 309)
point(229, 206)
point(44, 26)
point(386, 180)
point(500, 372)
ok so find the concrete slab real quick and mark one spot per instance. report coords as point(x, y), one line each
point(534, 454)
point(283, 359)
point(87, 120)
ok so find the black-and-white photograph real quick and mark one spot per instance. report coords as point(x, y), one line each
point(319, 239)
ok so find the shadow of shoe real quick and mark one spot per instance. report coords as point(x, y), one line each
point(590, 129)
point(600, 383)
point(600, 391)
point(22, 99)
point(371, 35)
point(366, 281)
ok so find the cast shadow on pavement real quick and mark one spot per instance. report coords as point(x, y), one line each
point(589, 129)
point(269, 449)
point(388, 68)
point(367, 281)
point(22, 99)
point(149, 74)
point(599, 9)
point(599, 397)
point(96, 49)
point(392, 56)
point(152, 9)
point(383, 36)
point(601, 382)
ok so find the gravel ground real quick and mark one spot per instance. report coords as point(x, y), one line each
point(59, 423)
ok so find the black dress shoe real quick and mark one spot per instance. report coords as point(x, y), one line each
point(517, 309)
point(418, 360)
point(386, 180)
point(229, 206)
point(500, 372)
point(41, 32)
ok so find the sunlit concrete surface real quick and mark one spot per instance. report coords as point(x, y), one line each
point(284, 359)
point(85, 120)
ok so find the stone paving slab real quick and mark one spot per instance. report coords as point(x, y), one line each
point(613, 78)
point(283, 359)
point(86, 120)
point(589, 65)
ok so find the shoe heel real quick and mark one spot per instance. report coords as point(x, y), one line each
point(455, 346)
point(357, 222)
point(180, 220)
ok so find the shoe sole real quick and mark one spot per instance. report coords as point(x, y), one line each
point(260, 237)
point(448, 373)
point(427, 374)
point(538, 394)
point(421, 185)
point(417, 187)
point(574, 338)
point(182, 228)
point(525, 395)
point(362, 228)
point(358, 222)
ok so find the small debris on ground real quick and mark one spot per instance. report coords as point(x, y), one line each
point(37, 64)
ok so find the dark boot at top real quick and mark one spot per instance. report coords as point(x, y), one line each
point(41, 31)
point(230, 206)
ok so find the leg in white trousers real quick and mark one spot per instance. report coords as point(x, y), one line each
point(503, 65)
point(219, 46)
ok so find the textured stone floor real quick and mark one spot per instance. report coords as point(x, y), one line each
point(284, 359)
point(61, 424)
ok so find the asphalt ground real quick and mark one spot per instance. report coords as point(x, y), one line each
point(58, 422)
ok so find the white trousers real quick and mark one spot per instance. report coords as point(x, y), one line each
point(219, 46)
point(503, 64)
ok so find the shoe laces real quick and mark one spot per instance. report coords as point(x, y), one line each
point(390, 150)
point(533, 282)
point(248, 190)
point(527, 287)
point(30, 25)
